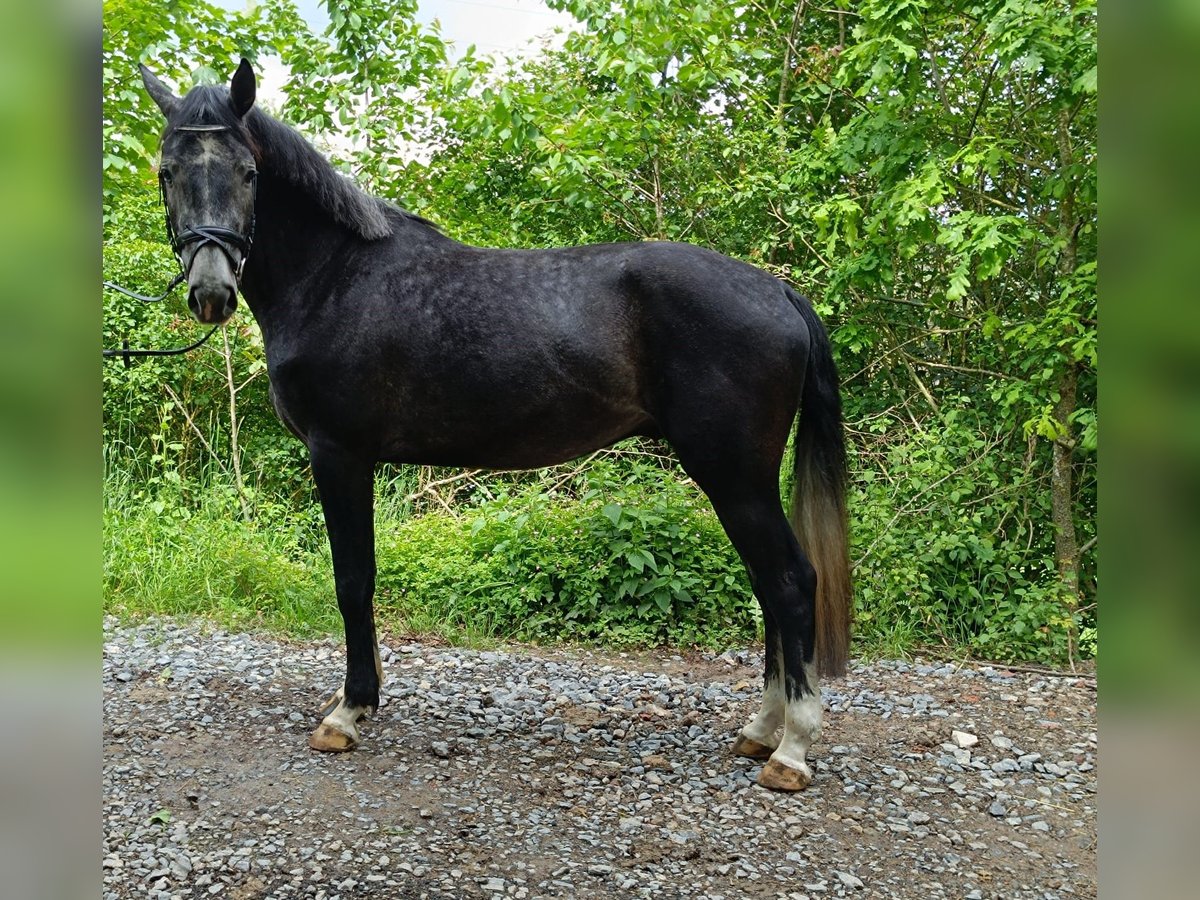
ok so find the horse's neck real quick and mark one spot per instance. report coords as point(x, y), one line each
point(294, 242)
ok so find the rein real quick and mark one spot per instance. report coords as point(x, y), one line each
point(219, 237)
point(125, 353)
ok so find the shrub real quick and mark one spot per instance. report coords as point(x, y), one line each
point(634, 559)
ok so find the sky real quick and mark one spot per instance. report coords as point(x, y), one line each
point(492, 25)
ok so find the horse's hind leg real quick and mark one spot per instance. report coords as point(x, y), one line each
point(759, 738)
point(784, 583)
point(346, 486)
point(740, 478)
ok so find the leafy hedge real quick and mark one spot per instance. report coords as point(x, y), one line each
point(637, 561)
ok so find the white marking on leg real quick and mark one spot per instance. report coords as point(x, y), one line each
point(335, 700)
point(345, 718)
point(801, 727)
point(763, 726)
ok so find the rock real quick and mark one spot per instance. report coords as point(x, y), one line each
point(963, 739)
point(850, 881)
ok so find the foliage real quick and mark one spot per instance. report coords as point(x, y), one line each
point(924, 170)
point(637, 557)
point(165, 555)
point(944, 549)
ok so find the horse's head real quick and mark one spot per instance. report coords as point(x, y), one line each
point(207, 173)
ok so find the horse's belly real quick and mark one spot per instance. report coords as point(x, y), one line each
point(509, 439)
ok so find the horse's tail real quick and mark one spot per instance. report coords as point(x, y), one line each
point(818, 512)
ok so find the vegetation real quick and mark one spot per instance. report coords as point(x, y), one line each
point(924, 170)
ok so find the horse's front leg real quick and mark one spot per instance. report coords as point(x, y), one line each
point(346, 485)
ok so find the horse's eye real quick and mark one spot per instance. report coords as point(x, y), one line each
point(165, 175)
point(250, 176)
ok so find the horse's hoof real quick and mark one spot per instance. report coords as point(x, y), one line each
point(778, 777)
point(330, 740)
point(745, 746)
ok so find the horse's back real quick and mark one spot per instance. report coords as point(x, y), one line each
point(634, 299)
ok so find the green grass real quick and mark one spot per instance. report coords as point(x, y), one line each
point(621, 564)
point(519, 568)
point(211, 564)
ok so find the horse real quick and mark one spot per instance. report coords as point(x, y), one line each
point(388, 341)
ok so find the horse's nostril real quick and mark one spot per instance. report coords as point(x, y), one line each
point(212, 303)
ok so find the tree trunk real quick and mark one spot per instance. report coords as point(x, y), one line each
point(1066, 544)
point(1062, 492)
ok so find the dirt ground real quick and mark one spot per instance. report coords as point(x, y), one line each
point(540, 773)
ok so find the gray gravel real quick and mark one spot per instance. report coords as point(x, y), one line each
point(532, 773)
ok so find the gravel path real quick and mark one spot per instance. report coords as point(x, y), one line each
point(534, 773)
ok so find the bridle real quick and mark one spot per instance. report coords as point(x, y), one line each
point(219, 237)
point(222, 238)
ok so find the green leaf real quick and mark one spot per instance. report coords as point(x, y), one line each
point(1086, 83)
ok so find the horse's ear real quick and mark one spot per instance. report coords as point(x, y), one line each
point(159, 92)
point(242, 88)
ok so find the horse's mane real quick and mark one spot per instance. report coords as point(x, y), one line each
point(283, 152)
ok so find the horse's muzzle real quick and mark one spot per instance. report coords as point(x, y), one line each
point(212, 303)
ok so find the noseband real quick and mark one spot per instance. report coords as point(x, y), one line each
point(221, 238)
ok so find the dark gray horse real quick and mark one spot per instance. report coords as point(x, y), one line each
point(388, 341)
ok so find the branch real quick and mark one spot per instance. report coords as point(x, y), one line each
point(253, 375)
point(234, 450)
point(983, 92)
point(907, 360)
point(965, 369)
point(430, 487)
point(207, 446)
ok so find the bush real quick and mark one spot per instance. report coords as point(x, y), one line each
point(637, 558)
point(628, 555)
point(945, 551)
